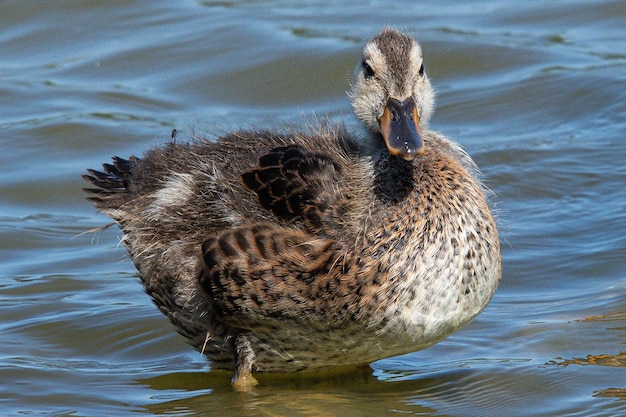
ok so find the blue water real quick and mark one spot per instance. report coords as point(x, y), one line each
point(535, 91)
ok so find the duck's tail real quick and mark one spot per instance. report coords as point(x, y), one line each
point(113, 180)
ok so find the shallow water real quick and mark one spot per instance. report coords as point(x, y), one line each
point(535, 92)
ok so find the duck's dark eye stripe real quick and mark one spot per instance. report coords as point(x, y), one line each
point(367, 70)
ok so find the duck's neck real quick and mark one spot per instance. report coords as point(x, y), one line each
point(394, 178)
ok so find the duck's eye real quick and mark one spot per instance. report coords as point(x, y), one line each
point(421, 71)
point(368, 72)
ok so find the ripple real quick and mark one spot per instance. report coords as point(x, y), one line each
point(531, 90)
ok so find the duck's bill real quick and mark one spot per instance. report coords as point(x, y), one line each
point(400, 127)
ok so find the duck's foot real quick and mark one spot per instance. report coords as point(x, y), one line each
point(244, 381)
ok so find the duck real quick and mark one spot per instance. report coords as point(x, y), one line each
point(294, 250)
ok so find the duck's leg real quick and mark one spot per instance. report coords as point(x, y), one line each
point(244, 359)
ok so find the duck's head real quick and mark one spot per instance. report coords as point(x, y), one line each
point(391, 93)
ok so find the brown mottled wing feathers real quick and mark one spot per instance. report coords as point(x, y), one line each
point(288, 181)
point(275, 269)
point(253, 272)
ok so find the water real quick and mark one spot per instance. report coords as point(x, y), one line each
point(536, 92)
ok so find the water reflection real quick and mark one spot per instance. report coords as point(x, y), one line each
point(618, 393)
point(604, 359)
point(361, 394)
point(618, 360)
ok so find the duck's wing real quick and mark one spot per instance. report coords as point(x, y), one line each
point(293, 182)
point(255, 273)
point(277, 269)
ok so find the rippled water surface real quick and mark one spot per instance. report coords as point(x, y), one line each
point(535, 91)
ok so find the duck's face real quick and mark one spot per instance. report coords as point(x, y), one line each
point(391, 93)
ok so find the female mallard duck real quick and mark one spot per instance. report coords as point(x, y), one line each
point(293, 251)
